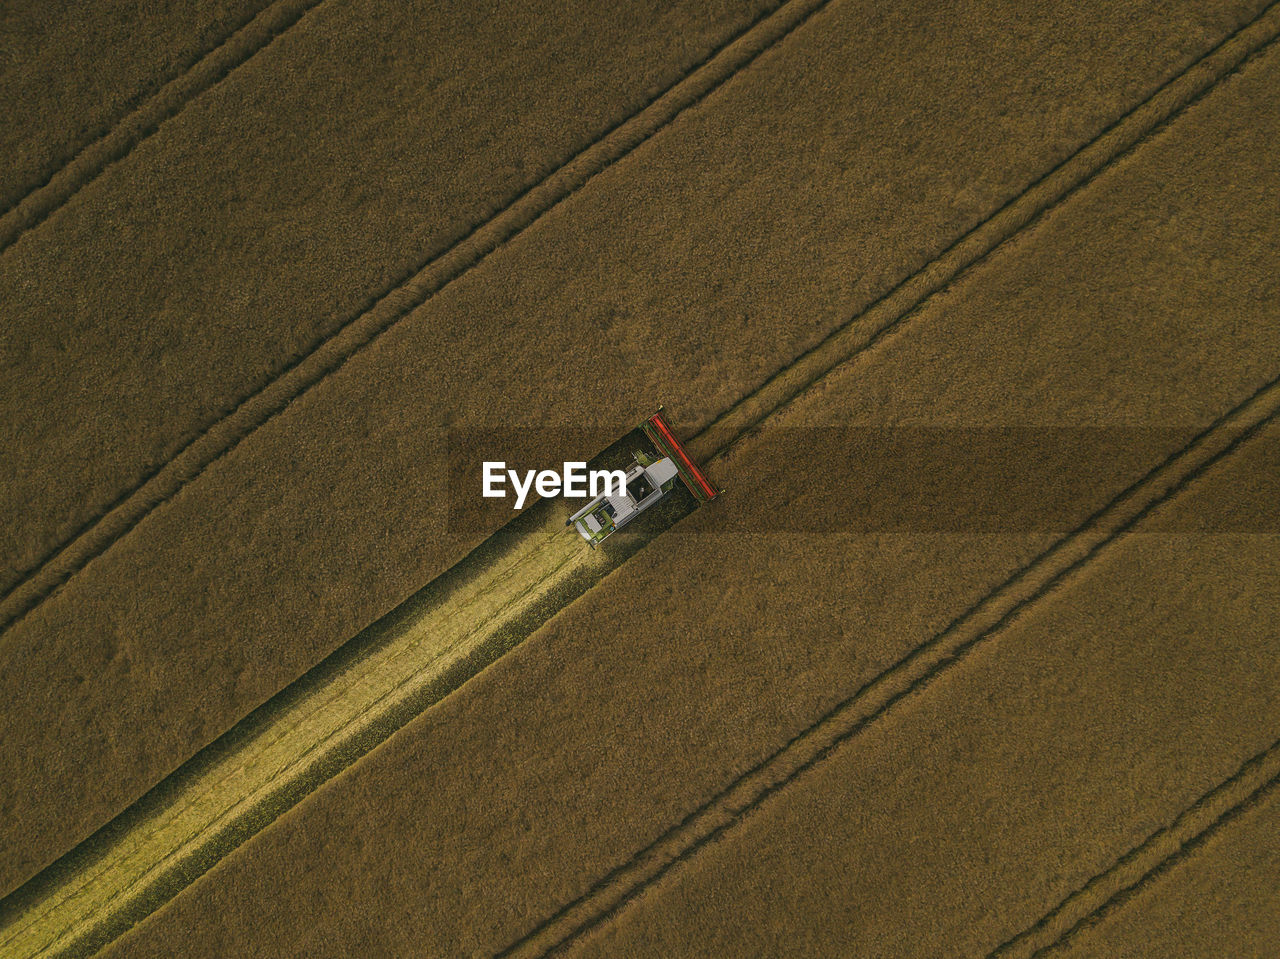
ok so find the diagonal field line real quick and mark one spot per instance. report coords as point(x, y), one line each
point(863, 332)
point(1185, 848)
point(889, 310)
point(814, 8)
point(1154, 857)
point(980, 622)
point(140, 98)
point(126, 133)
point(385, 309)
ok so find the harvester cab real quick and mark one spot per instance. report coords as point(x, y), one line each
point(648, 480)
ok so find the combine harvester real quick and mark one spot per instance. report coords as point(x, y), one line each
point(648, 481)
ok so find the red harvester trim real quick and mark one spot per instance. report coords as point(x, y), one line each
point(661, 426)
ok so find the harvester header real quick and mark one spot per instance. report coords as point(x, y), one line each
point(659, 432)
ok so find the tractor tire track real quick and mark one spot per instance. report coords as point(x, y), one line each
point(386, 308)
point(981, 621)
point(729, 434)
point(119, 140)
point(1154, 857)
point(129, 106)
point(891, 309)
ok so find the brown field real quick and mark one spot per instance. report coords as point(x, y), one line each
point(71, 74)
point(972, 311)
point(1217, 900)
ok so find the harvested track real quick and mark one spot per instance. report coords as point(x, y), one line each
point(297, 742)
point(311, 731)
